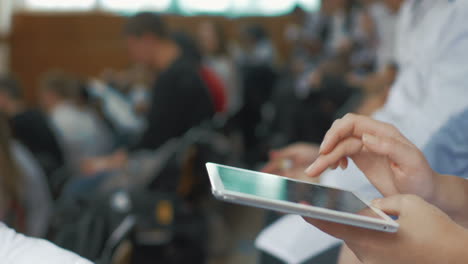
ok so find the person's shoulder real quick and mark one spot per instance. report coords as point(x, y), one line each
point(185, 66)
point(459, 6)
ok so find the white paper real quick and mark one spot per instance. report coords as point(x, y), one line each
point(294, 241)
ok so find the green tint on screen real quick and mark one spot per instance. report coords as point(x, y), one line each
point(255, 184)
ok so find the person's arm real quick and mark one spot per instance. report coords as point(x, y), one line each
point(451, 196)
point(425, 235)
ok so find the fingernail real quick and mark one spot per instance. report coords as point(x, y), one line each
point(322, 145)
point(370, 139)
point(310, 168)
point(342, 166)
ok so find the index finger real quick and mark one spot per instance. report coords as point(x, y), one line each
point(355, 126)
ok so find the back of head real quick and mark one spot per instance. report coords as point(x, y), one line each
point(61, 84)
point(10, 86)
point(146, 23)
point(188, 45)
point(256, 33)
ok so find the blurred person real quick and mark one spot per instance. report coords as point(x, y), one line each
point(178, 86)
point(335, 24)
point(386, 20)
point(258, 48)
point(399, 170)
point(214, 46)
point(30, 127)
point(80, 131)
point(25, 200)
point(215, 85)
point(16, 248)
point(180, 99)
point(259, 77)
point(375, 32)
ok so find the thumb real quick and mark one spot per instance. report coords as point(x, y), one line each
point(390, 205)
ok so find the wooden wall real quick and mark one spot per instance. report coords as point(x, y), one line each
point(87, 43)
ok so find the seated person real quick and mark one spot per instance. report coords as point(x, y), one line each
point(79, 129)
point(428, 233)
point(180, 99)
point(25, 200)
point(18, 249)
point(42, 143)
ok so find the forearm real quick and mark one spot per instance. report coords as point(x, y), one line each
point(454, 249)
point(451, 196)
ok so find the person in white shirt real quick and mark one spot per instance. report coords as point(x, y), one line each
point(432, 37)
point(82, 133)
point(18, 249)
point(214, 47)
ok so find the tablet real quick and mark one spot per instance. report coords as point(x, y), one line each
point(295, 197)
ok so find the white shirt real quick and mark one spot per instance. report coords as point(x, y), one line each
point(18, 249)
point(385, 24)
point(226, 71)
point(81, 132)
point(432, 85)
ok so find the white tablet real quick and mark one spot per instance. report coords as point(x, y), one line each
point(295, 197)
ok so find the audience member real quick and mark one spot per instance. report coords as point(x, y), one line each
point(215, 85)
point(180, 98)
point(18, 249)
point(81, 132)
point(30, 127)
point(25, 200)
point(214, 46)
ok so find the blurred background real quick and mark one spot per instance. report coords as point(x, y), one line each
point(105, 148)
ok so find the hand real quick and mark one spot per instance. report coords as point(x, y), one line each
point(92, 166)
point(292, 160)
point(390, 161)
point(425, 235)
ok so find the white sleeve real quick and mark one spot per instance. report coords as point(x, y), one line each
point(18, 249)
point(443, 84)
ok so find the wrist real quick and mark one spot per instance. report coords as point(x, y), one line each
point(450, 194)
point(435, 195)
point(455, 246)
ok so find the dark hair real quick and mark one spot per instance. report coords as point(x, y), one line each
point(144, 23)
point(10, 86)
point(61, 84)
point(188, 45)
point(221, 38)
point(256, 32)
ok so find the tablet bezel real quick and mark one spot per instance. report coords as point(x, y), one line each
point(385, 224)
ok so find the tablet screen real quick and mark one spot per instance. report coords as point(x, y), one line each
point(279, 188)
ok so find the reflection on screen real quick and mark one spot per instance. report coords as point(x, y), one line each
point(279, 188)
